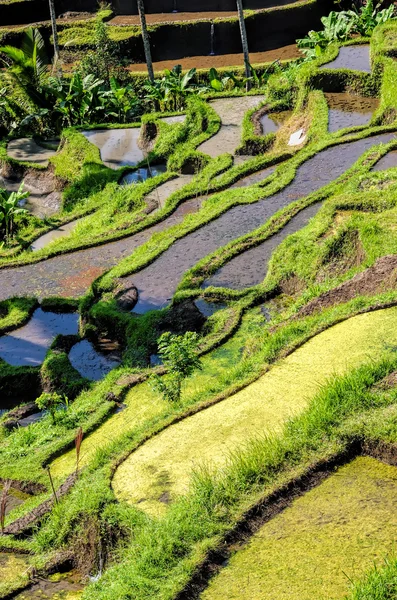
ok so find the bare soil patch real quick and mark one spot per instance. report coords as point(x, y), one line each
point(381, 277)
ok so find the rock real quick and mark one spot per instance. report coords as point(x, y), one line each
point(127, 298)
point(182, 317)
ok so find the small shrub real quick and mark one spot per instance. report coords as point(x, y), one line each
point(51, 402)
point(179, 355)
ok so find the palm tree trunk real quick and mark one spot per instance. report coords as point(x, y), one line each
point(244, 41)
point(54, 33)
point(145, 37)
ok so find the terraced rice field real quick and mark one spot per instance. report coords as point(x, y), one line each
point(160, 470)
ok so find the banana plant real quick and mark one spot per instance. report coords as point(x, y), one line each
point(121, 102)
point(10, 208)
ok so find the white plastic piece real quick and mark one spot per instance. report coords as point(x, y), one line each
point(297, 138)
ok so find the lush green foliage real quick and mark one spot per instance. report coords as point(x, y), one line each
point(340, 26)
point(10, 209)
point(179, 355)
point(52, 402)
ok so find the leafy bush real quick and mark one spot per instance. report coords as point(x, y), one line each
point(179, 355)
point(51, 402)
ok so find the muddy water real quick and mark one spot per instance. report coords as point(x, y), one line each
point(388, 161)
point(250, 268)
point(119, 147)
point(254, 178)
point(54, 234)
point(346, 110)
point(231, 112)
point(208, 308)
point(142, 174)
point(89, 363)
point(272, 122)
point(71, 274)
point(28, 345)
point(160, 195)
point(65, 586)
point(14, 499)
point(157, 283)
point(355, 58)
point(41, 202)
point(26, 150)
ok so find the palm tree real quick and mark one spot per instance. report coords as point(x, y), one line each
point(244, 41)
point(54, 33)
point(146, 41)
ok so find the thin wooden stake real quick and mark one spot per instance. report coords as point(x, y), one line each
point(52, 485)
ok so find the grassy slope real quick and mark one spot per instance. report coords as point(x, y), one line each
point(162, 467)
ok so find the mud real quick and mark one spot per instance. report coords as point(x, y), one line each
point(157, 283)
point(27, 150)
point(355, 58)
point(250, 267)
point(89, 362)
point(118, 147)
point(28, 345)
point(65, 586)
point(381, 277)
point(388, 161)
point(289, 52)
point(231, 111)
point(346, 110)
point(44, 199)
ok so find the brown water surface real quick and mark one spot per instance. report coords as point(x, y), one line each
point(271, 122)
point(346, 110)
point(119, 147)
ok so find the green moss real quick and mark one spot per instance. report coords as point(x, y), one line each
point(328, 537)
point(13, 572)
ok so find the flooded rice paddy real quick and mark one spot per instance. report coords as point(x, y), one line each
point(157, 283)
point(271, 122)
point(143, 174)
point(71, 274)
point(388, 161)
point(27, 150)
point(231, 111)
point(346, 110)
point(90, 363)
point(54, 234)
point(250, 267)
point(254, 178)
point(118, 147)
point(28, 345)
point(355, 58)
